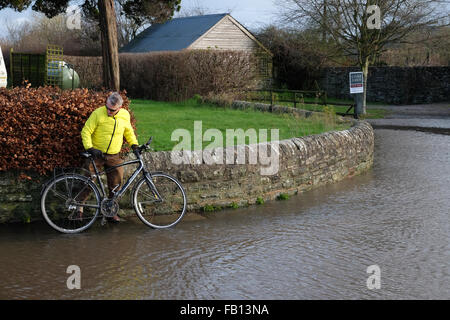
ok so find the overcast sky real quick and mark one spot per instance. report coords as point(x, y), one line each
point(253, 14)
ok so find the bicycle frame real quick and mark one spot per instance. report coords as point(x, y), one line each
point(141, 168)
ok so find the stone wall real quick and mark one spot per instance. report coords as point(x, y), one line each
point(393, 85)
point(304, 163)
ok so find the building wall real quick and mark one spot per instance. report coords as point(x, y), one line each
point(227, 36)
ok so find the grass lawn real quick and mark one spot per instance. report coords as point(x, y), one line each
point(160, 119)
point(287, 98)
point(372, 113)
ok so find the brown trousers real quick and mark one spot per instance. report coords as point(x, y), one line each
point(113, 177)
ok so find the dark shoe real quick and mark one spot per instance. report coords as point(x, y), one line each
point(115, 219)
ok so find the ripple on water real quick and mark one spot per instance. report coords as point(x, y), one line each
point(316, 245)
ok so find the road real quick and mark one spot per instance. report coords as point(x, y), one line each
point(424, 117)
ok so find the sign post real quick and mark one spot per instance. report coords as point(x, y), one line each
point(3, 74)
point(357, 90)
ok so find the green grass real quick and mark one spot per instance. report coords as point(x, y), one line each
point(372, 113)
point(287, 100)
point(307, 97)
point(160, 119)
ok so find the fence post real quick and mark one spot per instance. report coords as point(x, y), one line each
point(295, 99)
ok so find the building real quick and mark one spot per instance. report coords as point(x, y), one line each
point(214, 31)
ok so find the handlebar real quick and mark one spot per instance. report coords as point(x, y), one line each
point(148, 142)
point(145, 146)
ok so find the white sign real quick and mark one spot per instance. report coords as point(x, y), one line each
point(3, 74)
point(356, 82)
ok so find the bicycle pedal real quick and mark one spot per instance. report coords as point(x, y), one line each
point(103, 221)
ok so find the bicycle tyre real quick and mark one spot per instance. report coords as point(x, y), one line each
point(151, 211)
point(59, 209)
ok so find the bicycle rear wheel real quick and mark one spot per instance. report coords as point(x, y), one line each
point(164, 212)
point(70, 203)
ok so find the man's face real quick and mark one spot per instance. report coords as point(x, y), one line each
point(112, 110)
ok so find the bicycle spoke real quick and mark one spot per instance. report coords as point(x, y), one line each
point(147, 195)
point(148, 202)
point(69, 191)
point(56, 193)
point(79, 193)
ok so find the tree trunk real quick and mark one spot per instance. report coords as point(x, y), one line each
point(365, 70)
point(110, 50)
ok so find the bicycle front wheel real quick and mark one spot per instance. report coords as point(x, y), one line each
point(70, 203)
point(162, 208)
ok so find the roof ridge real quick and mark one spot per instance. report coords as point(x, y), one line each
point(203, 15)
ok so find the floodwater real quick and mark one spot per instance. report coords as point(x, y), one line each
point(317, 245)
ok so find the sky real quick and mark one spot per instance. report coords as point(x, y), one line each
point(252, 14)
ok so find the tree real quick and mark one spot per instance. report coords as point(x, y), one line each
point(352, 25)
point(298, 56)
point(103, 11)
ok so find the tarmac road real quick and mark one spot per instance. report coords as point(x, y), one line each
point(423, 117)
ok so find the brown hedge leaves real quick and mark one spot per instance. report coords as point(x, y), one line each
point(40, 127)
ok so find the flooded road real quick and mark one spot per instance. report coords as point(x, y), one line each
point(317, 245)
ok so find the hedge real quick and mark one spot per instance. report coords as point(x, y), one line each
point(173, 76)
point(40, 127)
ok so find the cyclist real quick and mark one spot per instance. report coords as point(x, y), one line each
point(102, 137)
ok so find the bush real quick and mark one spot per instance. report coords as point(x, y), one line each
point(234, 205)
point(298, 56)
point(89, 70)
point(173, 76)
point(283, 196)
point(40, 127)
point(259, 200)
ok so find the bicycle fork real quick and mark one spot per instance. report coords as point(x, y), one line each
point(153, 190)
point(152, 187)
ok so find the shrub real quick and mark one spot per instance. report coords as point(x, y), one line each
point(40, 127)
point(211, 208)
point(173, 76)
point(89, 70)
point(283, 196)
point(234, 205)
point(259, 200)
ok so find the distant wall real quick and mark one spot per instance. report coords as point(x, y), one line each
point(394, 85)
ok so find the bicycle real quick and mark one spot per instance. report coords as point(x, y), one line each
point(71, 202)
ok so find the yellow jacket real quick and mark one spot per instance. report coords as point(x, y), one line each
point(106, 133)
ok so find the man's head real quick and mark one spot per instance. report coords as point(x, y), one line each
point(113, 103)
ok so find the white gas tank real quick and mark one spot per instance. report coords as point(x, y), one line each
point(3, 74)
